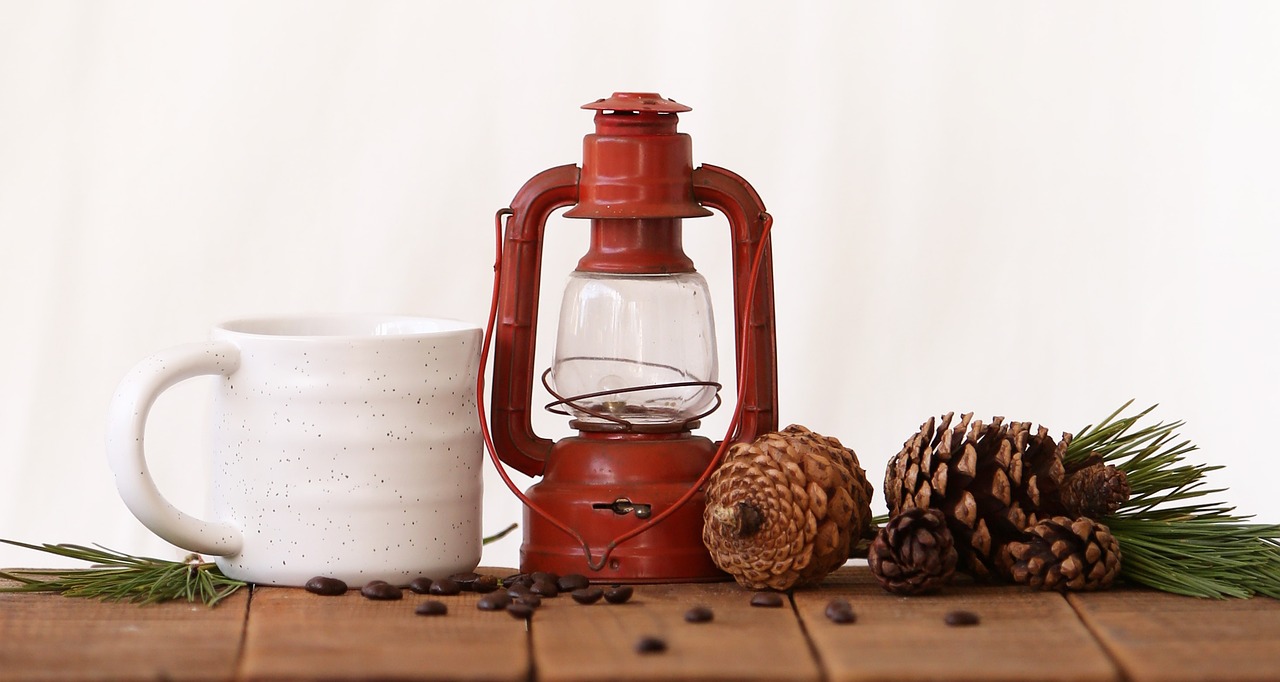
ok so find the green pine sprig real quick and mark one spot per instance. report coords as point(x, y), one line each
point(1172, 537)
point(116, 576)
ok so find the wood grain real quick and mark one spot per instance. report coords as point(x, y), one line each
point(50, 637)
point(287, 634)
point(295, 635)
point(597, 642)
point(1022, 635)
point(1158, 636)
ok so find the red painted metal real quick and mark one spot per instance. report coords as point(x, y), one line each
point(636, 184)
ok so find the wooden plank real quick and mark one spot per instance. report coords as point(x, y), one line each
point(50, 637)
point(1023, 635)
point(597, 642)
point(293, 634)
point(1159, 636)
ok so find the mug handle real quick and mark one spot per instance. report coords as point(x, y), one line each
point(126, 423)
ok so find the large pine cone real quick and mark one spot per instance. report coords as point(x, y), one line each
point(991, 481)
point(783, 511)
point(913, 553)
point(1061, 554)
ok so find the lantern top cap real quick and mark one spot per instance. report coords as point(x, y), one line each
point(638, 101)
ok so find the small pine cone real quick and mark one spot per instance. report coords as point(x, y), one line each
point(913, 553)
point(1094, 489)
point(1065, 555)
point(784, 510)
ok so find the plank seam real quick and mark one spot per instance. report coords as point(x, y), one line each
point(1097, 637)
point(531, 672)
point(823, 674)
point(244, 634)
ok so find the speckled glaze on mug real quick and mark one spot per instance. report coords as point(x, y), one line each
point(342, 446)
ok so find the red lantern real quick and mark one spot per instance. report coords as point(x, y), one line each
point(635, 362)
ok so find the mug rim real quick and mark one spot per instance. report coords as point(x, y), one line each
point(344, 326)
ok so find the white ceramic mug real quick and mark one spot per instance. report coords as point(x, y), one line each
point(342, 446)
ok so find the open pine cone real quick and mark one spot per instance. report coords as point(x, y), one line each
point(993, 481)
point(1061, 554)
point(783, 510)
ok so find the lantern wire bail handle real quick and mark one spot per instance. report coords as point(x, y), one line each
point(575, 402)
point(743, 368)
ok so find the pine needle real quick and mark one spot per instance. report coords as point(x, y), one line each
point(1171, 537)
point(116, 576)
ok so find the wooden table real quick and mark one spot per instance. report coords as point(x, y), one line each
point(287, 634)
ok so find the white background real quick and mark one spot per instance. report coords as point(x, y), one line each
point(1025, 209)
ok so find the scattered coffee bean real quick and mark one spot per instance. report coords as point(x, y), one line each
point(572, 581)
point(769, 600)
point(517, 579)
point(960, 618)
point(529, 599)
point(465, 579)
point(445, 587)
point(699, 614)
point(485, 584)
point(588, 595)
point(543, 575)
point(381, 590)
point(619, 594)
point(839, 611)
point(520, 610)
point(650, 645)
point(544, 588)
point(493, 601)
point(420, 585)
point(431, 608)
point(518, 590)
point(328, 587)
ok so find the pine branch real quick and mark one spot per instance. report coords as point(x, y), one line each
point(1171, 537)
point(116, 576)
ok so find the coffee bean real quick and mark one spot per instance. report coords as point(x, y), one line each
point(769, 600)
point(485, 584)
point(699, 614)
point(465, 579)
point(520, 610)
point(328, 587)
point(517, 579)
point(543, 575)
point(960, 618)
point(431, 608)
point(619, 594)
point(529, 599)
point(518, 590)
point(380, 590)
point(839, 611)
point(420, 585)
point(588, 595)
point(572, 581)
point(494, 601)
point(545, 588)
point(650, 645)
point(445, 587)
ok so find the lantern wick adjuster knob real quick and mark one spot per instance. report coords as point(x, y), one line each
point(624, 505)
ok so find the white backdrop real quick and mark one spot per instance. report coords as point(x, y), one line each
point(1025, 209)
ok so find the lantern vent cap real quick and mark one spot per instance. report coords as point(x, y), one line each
point(638, 102)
